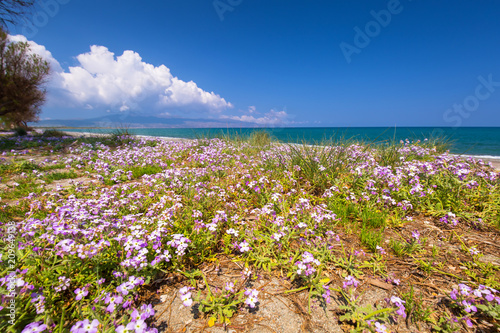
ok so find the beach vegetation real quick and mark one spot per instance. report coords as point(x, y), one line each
point(22, 78)
point(100, 225)
point(53, 133)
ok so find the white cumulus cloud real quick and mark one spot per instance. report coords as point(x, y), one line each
point(40, 50)
point(271, 118)
point(122, 83)
point(102, 81)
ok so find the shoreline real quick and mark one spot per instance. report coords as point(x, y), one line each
point(90, 135)
point(493, 160)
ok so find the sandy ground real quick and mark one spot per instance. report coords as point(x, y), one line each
point(495, 163)
point(88, 134)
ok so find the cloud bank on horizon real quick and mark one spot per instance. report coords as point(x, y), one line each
point(126, 83)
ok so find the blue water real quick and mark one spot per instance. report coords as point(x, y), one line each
point(482, 141)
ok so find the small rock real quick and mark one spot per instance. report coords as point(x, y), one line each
point(491, 259)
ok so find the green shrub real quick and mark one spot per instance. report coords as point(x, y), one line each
point(53, 133)
point(20, 131)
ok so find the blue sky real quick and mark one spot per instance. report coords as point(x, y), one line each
point(273, 63)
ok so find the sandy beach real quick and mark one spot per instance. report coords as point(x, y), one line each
point(494, 162)
point(89, 135)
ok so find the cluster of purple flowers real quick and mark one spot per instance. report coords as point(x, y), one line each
point(308, 264)
point(129, 285)
point(393, 280)
point(220, 216)
point(350, 281)
point(137, 322)
point(415, 237)
point(39, 301)
point(326, 294)
point(112, 300)
point(64, 284)
point(229, 287)
point(180, 243)
point(381, 250)
point(185, 295)
point(34, 327)
point(467, 298)
point(243, 246)
point(449, 218)
point(379, 327)
point(131, 220)
point(399, 303)
point(81, 293)
point(251, 299)
point(165, 256)
point(86, 326)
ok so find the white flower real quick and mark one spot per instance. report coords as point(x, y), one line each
point(232, 232)
point(244, 247)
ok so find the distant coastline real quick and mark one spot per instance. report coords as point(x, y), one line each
point(493, 159)
point(475, 141)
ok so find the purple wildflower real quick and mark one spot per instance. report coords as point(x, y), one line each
point(185, 294)
point(251, 299)
point(80, 293)
point(34, 327)
point(350, 281)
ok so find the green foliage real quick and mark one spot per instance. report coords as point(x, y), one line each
point(440, 143)
point(260, 139)
point(49, 178)
point(447, 325)
point(373, 218)
point(371, 238)
point(415, 307)
point(20, 131)
point(348, 263)
point(492, 310)
point(317, 166)
point(120, 136)
point(220, 306)
point(282, 210)
point(388, 153)
point(17, 167)
point(53, 133)
point(357, 315)
point(404, 248)
point(22, 76)
point(139, 171)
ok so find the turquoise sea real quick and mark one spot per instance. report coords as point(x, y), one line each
point(478, 141)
